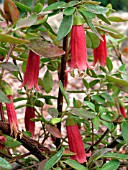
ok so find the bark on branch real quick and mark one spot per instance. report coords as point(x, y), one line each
point(33, 146)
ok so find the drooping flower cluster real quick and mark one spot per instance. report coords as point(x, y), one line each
point(75, 142)
point(32, 71)
point(78, 48)
point(29, 114)
point(100, 53)
point(12, 118)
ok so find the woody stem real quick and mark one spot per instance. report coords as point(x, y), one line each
point(61, 78)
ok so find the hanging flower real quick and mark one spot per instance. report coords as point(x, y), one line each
point(100, 53)
point(76, 144)
point(29, 114)
point(2, 140)
point(78, 47)
point(32, 71)
point(122, 111)
point(12, 118)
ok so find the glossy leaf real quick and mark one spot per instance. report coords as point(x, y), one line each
point(12, 40)
point(53, 160)
point(69, 11)
point(4, 165)
point(96, 9)
point(75, 165)
point(53, 130)
point(9, 66)
point(124, 127)
point(64, 94)
point(65, 27)
point(47, 82)
point(44, 48)
point(111, 165)
point(26, 22)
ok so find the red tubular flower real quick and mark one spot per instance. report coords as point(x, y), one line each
point(76, 144)
point(100, 53)
point(2, 140)
point(32, 71)
point(12, 118)
point(29, 114)
point(122, 111)
point(78, 48)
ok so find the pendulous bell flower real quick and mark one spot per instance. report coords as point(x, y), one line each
point(122, 111)
point(12, 118)
point(75, 142)
point(32, 71)
point(29, 114)
point(100, 53)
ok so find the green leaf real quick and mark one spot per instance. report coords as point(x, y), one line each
point(92, 41)
point(82, 113)
point(38, 8)
point(121, 84)
point(96, 122)
point(69, 11)
point(117, 19)
point(12, 40)
point(98, 98)
point(90, 105)
point(75, 165)
point(4, 165)
point(98, 154)
point(64, 94)
point(122, 67)
point(86, 13)
point(94, 82)
point(72, 3)
point(103, 18)
point(47, 82)
point(86, 84)
point(3, 97)
point(53, 112)
point(11, 142)
point(106, 96)
point(22, 6)
point(53, 160)
point(55, 6)
point(96, 9)
point(124, 128)
point(110, 126)
point(27, 22)
point(116, 156)
point(9, 66)
point(109, 64)
point(65, 27)
point(111, 165)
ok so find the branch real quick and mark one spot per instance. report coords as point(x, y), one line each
point(33, 146)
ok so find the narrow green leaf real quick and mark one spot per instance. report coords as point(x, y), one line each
point(106, 96)
point(116, 156)
point(94, 82)
point(69, 11)
point(96, 9)
point(27, 22)
point(4, 165)
point(111, 165)
point(86, 84)
point(22, 6)
point(122, 67)
point(117, 19)
point(98, 98)
point(92, 41)
point(65, 27)
point(38, 8)
point(55, 6)
point(75, 165)
point(86, 13)
point(103, 18)
point(11, 143)
point(11, 39)
point(9, 66)
point(53, 160)
point(47, 82)
point(124, 128)
point(98, 154)
point(109, 64)
point(121, 84)
point(72, 3)
point(90, 105)
point(3, 97)
point(96, 122)
point(64, 94)
point(82, 113)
